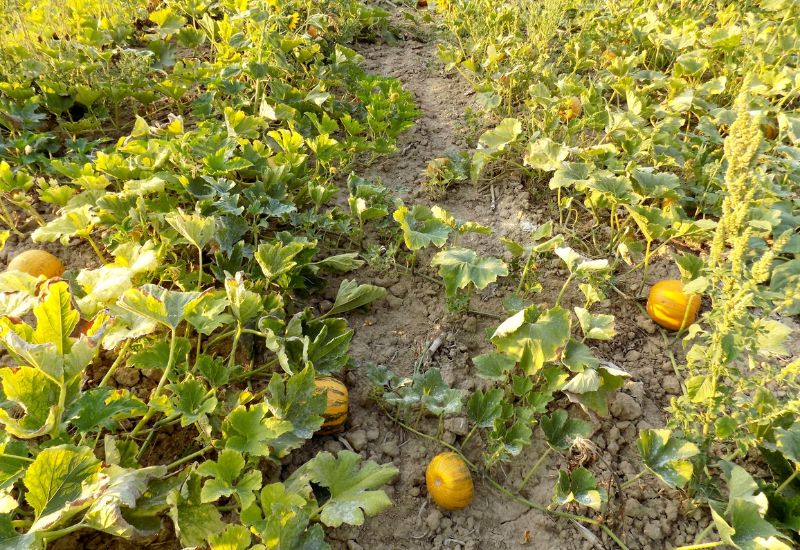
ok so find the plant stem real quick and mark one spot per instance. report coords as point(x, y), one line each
point(200, 269)
point(786, 482)
point(6, 218)
point(236, 336)
point(161, 383)
point(534, 468)
point(189, 458)
point(469, 435)
point(700, 536)
point(58, 533)
point(633, 480)
point(15, 457)
point(563, 289)
point(700, 546)
point(96, 248)
point(117, 362)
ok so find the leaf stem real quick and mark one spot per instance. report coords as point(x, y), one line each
point(161, 383)
point(117, 362)
point(787, 482)
point(469, 435)
point(700, 546)
point(96, 248)
point(534, 468)
point(564, 288)
point(189, 457)
point(633, 480)
point(15, 457)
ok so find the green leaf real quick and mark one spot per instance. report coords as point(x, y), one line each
point(595, 326)
point(561, 431)
point(578, 486)
point(225, 483)
point(10, 539)
point(197, 229)
point(484, 408)
point(235, 537)
point(281, 521)
point(296, 401)
point(119, 489)
point(245, 304)
point(191, 400)
point(420, 227)
point(744, 528)
point(788, 442)
point(207, 313)
point(666, 456)
point(571, 174)
point(545, 154)
point(340, 263)
point(247, 430)
point(54, 483)
point(578, 356)
point(152, 302)
point(499, 137)
point(103, 407)
point(278, 259)
point(434, 394)
point(507, 439)
point(195, 522)
point(493, 365)
point(352, 295)
point(548, 331)
point(37, 395)
point(354, 491)
point(55, 318)
point(461, 266)
point(77, 222)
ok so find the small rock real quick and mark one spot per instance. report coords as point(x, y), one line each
point(633, 509)
point(653, 530)
point(325, 306)
point(457, 425)
point(625, 407)
point(434, 519)
point(633, 356)
point(358, 439)
point(672, 511)
point(400, 290)
point(390, 448)
point(127, 376)
point(153, 374)
point(471, 324)
point(636, 389)
point(394, 302)
point(373, 434)
point(333, 446)
point(353, 545)
point(671, 384)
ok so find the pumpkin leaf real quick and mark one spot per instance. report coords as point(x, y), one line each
point(561, 431)
point(484, 408)
point(354, 489)
point(225, 479)
point(352, 295)
point(579, 486)
point(248, 430)
point(420, 227)
point(595, 326)
point(667, 456)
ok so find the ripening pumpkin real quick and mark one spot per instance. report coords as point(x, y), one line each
point(335, 414)
point(769, 129)
point(37, 262)
point(667, 304)
point(449, 481)
point(571, 108)
point(312, 31)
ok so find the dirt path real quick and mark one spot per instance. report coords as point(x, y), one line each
point(414, 313)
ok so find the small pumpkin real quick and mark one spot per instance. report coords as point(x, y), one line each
point(37, 262)
point(770, 130)
point(667, 305)
point(449, 481)
point(570, 108)
point(335, 414)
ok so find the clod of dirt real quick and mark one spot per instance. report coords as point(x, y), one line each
point(127, 376)
point(625, 407)
point(358, 439)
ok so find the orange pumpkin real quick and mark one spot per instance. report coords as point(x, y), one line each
point(570, 108)
point(37, 262)
point(667, 305)
point(449, 481)
point(335, 414)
